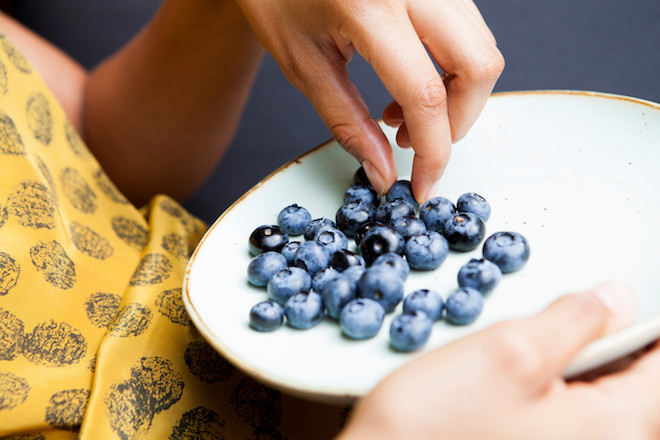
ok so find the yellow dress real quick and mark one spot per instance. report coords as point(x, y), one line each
point(95, 342)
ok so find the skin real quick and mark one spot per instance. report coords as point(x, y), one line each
point(314, 40)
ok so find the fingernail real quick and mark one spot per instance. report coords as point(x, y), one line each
point(375, 178)
point(620, 299)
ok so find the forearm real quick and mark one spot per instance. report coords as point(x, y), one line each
point(160, 113)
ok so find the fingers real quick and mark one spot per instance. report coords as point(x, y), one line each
point(538, 349)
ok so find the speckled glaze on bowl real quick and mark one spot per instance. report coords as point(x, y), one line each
point(575, 172)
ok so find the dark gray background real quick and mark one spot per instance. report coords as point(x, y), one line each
point(601, 45)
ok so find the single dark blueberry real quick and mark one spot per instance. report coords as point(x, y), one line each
point(509, 250)
point(362, 231)
point(464, 231)
point(362, 192)
point(408, 226)
point(304, 310)
point(426, 251)
point(262, 267)
point(483, 275)
point(380, 240)
point(314, 226)
point(267, 238)
point(463, 306)
point(424, 300)
point(382, 285)
point(293, 219)
point(285, 283)
point(352, 215)
point(401, 189)
point(361, 318)
point(390, 211)
point(410, 331)
point(337, 293)
point(332, 239)
point(266, 316)
point(473, 202)
point(394, 262)
point(435, 212)
point(342, 260)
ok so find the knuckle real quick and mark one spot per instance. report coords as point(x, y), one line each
point(487, 67)
point(431, 95)
point(514, 352)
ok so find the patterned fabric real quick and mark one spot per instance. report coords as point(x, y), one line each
point(95, 342)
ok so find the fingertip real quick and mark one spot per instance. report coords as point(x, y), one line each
point(381, 181)
point(621, 301)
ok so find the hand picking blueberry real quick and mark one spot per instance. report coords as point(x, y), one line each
point(304, 310)
point(509, 250)
point(410, 331)
point(401, 189)
point(361, 318)
point(266, 316)
point(483, 275)
point(293, 219)
point(267, 238)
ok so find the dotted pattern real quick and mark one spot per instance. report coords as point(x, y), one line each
point(95, 341)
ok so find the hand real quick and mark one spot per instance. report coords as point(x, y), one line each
point(313, 41)
point(506, 383)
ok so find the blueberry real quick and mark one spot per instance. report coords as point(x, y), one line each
point(267, 238)
point(311, 256)
point(321, 278)
point(464, 231)
point(351, 216)
point(365, 193)
point(293, 219)
point(394, 262)
point(304, 310)
point(382, 285)
point(287, 282)
point(401, 189)
point(360, 176)
point(389, 211)
point(289, 250)
point(426, 251)
point(473, 202)
point(354, 273)
point(266, 316)
point(342, 260)
point(262, 267)
point(362, 231)
point(509, 250)
point(361, 318)
point(410, 331)
point(314, 226)
point(408, 226)
point(380, 240)
point(332, 239)
point(424, 300)
point(482, 275)
point(337, 293)
point(435, 212)
point(463, 306)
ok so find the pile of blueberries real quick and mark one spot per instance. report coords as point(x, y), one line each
point(308, 279)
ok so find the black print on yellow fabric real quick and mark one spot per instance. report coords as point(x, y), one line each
point(199, 423)
point(170, 304)
point(131, 320)
point(50, 182)
point(16, 57)
point(32, 205)
point(39, 118)
point(101, 308)
point(4, 82)
point(25, 437)
point(89, 242)
point(108, 188)
point(54, 344)
point(173, 209)
point(153, 269)
point(13, 390)
point(92, 364)
point(176, 245)
point(130, 231)
point(4, 215)
point(11, 335)
point(54, 264)
point(206, 363)
point(66, 408)
point(265, 434)
point(73, 139)
point(131, 405)
point(256, 404)
point(10, 139)
point(77, 191)
point(10, 270)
